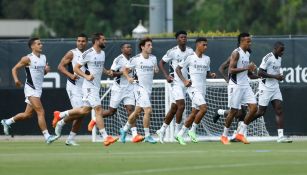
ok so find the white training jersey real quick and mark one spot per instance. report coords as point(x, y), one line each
point(118, 65)
point(197, 69)
point(35, 71)
point(272, 66)
point(143, 70)
point(93, 63)
point(70, 68)
point(242, 77)
point(174, 56)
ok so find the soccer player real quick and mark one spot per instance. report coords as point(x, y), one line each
point(269, 91)
point(198, 66)
point(239, 90)
point(73, 85)
point(93, 61)
point(174, 56)
point(36, 67)
point(122, 90)
point(144, 65)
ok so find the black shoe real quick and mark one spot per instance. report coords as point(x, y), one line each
point(216, 116)
point(233, 140)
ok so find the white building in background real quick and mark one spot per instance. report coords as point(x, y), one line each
point(140, 31)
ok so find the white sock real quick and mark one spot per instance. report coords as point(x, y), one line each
point(182, 131)
point(280, 132)
point(193, 128)
point(64, 114)
point(103, 132)
point(9, 121)
point(134, 131)
point(163, 127)
point(46, 134)
point(61, 122)
point(225, 133)
point(243, 128)
point(147, 133)
point(72, 136)
point(126, 127)
point(234, 134)
point(177, 128)
point(221, 111)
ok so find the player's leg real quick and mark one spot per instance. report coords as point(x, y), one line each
point(180, 136)
point(6, 123)
point(167, 120)
point(135, 136)
point(131, 120)
point(146, 125)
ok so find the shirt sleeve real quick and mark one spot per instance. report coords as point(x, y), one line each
point(132, 63)
point(265, 63)
point(167, 57)
point(83, 59)
point(116, 64)
point(185, 63)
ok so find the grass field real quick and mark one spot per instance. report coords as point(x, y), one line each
point(261, 158)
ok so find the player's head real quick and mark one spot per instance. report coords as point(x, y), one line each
point(81, 41)
point(244, 41)
point(99, 40)
point(145, 45)
point(201, 44)
point(181, 37)
point(126, 49)
point(35, 44)
point(279, 48)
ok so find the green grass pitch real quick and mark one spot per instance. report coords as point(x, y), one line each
point(213, 158)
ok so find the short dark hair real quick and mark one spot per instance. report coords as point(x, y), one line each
point(96, 36)
point(242, 35)
point(83, 36)
point(278, 44)
point(180, 32)
point(199, 39)
point(122, 45)
point(31, 41)
point(143, 41)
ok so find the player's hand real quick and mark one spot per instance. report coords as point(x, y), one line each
point(109, 73)
point(280, 77)
point(252, 67)
point(74, 77)
point(130, 80)
point(89, 77)
point(187, 83)
point(47, 68)
point(213, 75)
point(18, 84)
point(169, 79)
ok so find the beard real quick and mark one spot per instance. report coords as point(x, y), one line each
point(249, 50)
point(102, 46)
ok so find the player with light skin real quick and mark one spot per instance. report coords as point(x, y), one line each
point(122, 90)
point(198, 66)
point(144, 65)
point(93, 60)
point(174, 56)
point(269, 71)
point(73, 86)
point(36, 67)
point(239, 90)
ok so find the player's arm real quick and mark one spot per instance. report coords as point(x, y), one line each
point(64, 62)
point(264, 74)
point(233, 64)
point(77, 70)
point(117, 73)
point(108, 72)
point(186, 82)
point(252, 75)
point(24, 61)
point(211, 74)
point(47, 69)
point(164, 71)
point(223, 69)
point(126, 74)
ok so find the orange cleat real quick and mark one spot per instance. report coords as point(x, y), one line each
point(225, 140)
point(137, 138)
point(56, 118)
point(241, 138)
point(109, 140)
point(91, 125)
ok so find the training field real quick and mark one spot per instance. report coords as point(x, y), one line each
point(259, 158)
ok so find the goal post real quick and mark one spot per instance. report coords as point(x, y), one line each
point(216, 98)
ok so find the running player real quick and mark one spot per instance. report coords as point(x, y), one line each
point(239, 90)
point(122, 90)
point(174, 56)
point(93, 61)
point(144, 65)
point(269, 91)
point(198, 66)
point(36, 67)
point(73, 85)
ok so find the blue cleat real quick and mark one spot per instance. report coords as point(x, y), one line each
point(6, 128)
point(123, 135)
point(51, 139)
point(149, 139)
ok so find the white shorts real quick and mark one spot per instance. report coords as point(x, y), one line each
point(121, 95)
point(238, 95)
point(142, 97)
point(265, 96)
point(177, 92)
point(30, 92)
point(91, 97)
point(75, 96)
point(197, 97)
